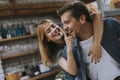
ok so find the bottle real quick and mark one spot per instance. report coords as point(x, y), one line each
point(0, 31)
point(19, 30)
point(31, 28)
point(36, 69)
point(23, 29)
point(8, 31)
point(2, 75)
point(26, 26)
point(11, 30)
point(4, 31)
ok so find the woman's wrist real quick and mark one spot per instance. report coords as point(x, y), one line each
point(69, 50)
point(96, 44)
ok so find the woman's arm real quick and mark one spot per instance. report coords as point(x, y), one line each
point(68, 65)
point(96, 50)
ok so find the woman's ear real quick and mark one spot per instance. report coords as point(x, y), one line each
point(82, 19)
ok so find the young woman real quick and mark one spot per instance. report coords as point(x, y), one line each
point(52, 40)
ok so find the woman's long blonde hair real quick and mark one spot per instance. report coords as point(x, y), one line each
point(47, 57)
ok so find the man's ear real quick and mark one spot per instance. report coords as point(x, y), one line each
point(82, 19)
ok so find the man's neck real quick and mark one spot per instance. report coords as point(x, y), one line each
point(87, 32)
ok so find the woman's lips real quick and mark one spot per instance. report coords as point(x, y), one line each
point(57, 31)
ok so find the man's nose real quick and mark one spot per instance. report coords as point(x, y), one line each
point(65, 28)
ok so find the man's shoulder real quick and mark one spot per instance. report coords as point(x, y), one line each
point(110, 20)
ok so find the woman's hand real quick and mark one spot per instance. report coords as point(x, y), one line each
point(68, 41)
point(96, 53)
point(66, 63)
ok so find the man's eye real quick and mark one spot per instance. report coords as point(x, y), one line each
point(67, 22)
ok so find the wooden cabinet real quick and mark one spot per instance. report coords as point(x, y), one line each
point(30, 9)
point(16, 11)
point(46, 74)
point(12, 52)
point(14, 55)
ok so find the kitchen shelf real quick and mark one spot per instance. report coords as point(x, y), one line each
point(46, 74)
point(17, 38)
point(87, 1)
point(15, 9)
point(112, 13)
point(19, 55)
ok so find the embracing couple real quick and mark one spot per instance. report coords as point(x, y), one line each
point(84, 49)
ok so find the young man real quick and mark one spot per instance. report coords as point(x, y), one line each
point(75, 17)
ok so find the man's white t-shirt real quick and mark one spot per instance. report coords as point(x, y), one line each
point(106, 69)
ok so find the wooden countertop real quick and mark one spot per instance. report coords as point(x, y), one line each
point(43, 75)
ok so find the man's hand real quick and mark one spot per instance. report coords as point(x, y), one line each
point(96, 53)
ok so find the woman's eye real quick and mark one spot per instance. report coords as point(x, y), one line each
point(48, 30)
point(53, 26)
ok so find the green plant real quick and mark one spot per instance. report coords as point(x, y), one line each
point(60, 75)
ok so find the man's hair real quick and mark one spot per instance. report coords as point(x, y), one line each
point(77, 9)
